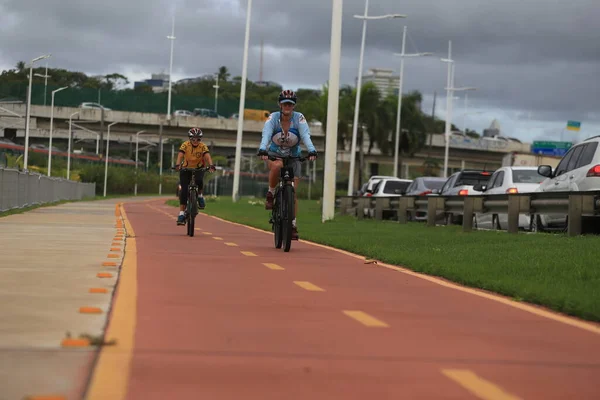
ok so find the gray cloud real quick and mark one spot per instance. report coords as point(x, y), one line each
point(523, 56)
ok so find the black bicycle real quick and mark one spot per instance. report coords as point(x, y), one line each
point(191, 210)
point(282, 213)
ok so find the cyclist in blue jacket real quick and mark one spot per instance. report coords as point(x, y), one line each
point(281, 136)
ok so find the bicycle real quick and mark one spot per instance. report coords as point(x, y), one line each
point(282, 213)
point(191, 210)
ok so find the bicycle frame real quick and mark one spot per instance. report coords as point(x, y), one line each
point(279, 218)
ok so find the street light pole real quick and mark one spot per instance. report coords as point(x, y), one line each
point(51, 129)
point(26, 156)
point(328, 211)
point(240, 127)
point(216, 87)
point(449, 95)
point(106, 161)
point(399, 111)
point(137, 141)
point(364, 17)
point(69, 145)
point(172, 39)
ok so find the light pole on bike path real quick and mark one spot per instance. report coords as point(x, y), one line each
point(106, 161)
point(69, 145)
point(335, 51)
point(364, 17)
point(137, 142)
point(240, 127)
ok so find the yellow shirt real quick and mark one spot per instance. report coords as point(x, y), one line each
point(193, 156)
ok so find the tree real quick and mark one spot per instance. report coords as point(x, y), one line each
point(223, 73)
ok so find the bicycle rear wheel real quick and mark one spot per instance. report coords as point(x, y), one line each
point(287, 204)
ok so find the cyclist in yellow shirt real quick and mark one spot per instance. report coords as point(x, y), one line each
point(192, 153)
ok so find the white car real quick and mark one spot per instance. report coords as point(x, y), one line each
point(461, 184)
point(93, 105)
point(182, 113)
point(577, 171)
point(373, 181)
point(508, 180)
point(387, 187)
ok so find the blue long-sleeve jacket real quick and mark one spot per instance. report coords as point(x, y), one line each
point(273, 140)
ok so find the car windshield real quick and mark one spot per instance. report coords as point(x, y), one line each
point(434, 183)
point(472, 178)
point(527, 176)
point(395, 187)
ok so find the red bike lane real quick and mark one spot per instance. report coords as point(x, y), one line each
point(225, 315)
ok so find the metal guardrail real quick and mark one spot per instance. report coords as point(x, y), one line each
point(22, 189)
point(576, 205)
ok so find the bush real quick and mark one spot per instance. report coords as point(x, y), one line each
point(121, 180)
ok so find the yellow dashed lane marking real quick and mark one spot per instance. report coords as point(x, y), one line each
point(231, 244)
point(248, 253)
point(217, 238)
point(274, 267)
point(207, 233)
point(309, 286)
point(365, 319)
point(480, 387)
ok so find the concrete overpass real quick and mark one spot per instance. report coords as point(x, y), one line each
point(221, 135)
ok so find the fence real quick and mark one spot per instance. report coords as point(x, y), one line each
point(576, 205)
point(128, 100)
point(22, 189)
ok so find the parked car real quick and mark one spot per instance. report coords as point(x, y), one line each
point(387, 187)
point(578, 170)
point(423, 186)
point(461, 184)
point(373, 180)
point(507, 180)
point(390, 187)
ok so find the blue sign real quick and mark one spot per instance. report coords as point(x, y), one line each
point(550, 148)
point(549, 152)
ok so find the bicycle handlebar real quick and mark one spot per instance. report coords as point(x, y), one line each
point(197, 169)
point(301, 159)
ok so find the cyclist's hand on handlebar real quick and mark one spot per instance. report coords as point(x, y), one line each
point(263, 155)
point(212, 168)
point(178, 167)
point(312, 156)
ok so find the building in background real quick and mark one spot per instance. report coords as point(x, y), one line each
point(384, 79)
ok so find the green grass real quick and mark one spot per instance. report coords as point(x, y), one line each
point(560, 272)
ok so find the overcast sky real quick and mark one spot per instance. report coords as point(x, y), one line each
point(536, 63)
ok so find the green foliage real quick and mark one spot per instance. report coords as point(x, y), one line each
point(121, 180)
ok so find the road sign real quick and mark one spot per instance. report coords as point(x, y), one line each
point(549, 148)
point(573, 125)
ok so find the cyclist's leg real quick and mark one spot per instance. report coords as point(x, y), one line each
point(297, 166)
point(200, 183)
point(184, 178)
point(274, 168)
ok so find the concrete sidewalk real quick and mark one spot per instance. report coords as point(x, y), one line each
point(50, 259)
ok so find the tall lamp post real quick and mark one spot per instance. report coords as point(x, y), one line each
point(26, 156)
point(364, 17)
point(400, 84)
point(69, 145)
point(106, 161)
point(240, 127)
point(137, 142)
point(328, 211)
point(51, 128)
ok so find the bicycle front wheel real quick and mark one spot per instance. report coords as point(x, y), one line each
point(276, 218)
point(287, 206)
point(192, 211)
